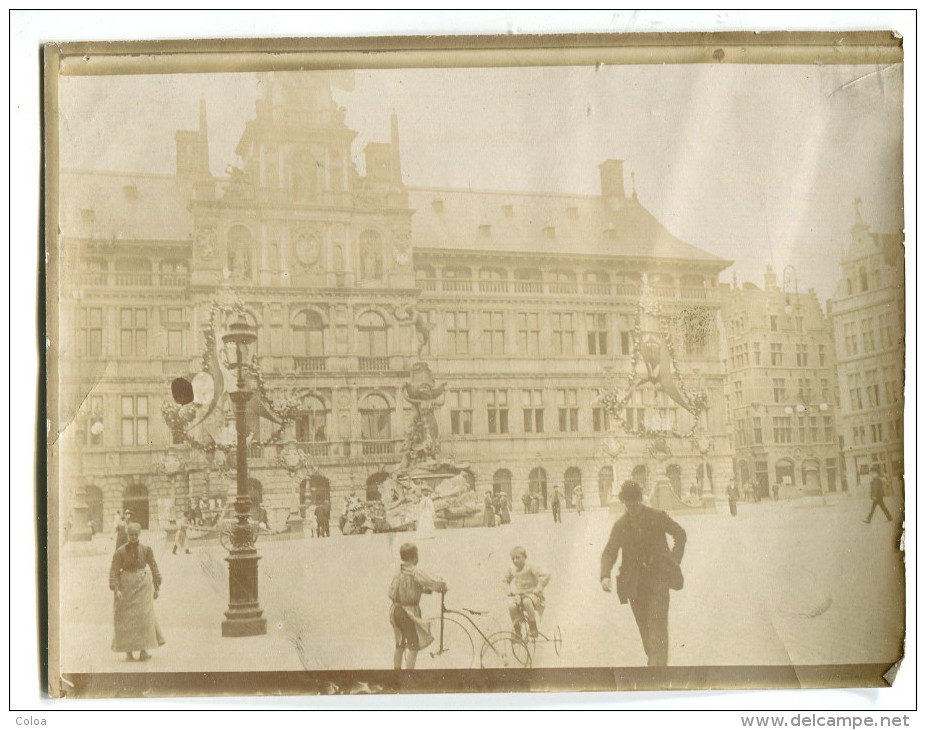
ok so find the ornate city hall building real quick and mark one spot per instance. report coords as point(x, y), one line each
point(524, 304)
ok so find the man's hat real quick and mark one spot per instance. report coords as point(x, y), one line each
point(630, 492)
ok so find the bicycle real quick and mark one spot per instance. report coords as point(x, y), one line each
point(522, 632)
point(453, 646)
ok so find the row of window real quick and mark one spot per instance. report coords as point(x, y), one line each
point(805, 392)
point(742, 355)
point(875, 433)
point(309, 337)
point(426, 273)
point(740, 325)
point(882, 338)
point(806, 429)
point(501, 407)
point(868, 394)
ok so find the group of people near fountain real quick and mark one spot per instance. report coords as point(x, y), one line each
point(496, 510)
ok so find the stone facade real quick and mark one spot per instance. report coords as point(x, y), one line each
point(523, 303)
point(868, 326)
point(783, 395)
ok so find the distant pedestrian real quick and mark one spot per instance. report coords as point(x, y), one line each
point(425, 523)
point(488, 515)
point(556, 505)
point(181, 535)
point(504, 512)
point(411, 633)
point(323, 515)
point(776, 488)
point(749, 492)
point(733, 495)
point(579, 496)
point(648, 569)
point(119, 529)
point(311, 520)
point(135, 590)
point(526, 499)
point(876, 492)
point(535, 503)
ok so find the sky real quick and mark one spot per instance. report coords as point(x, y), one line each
point(757, 164)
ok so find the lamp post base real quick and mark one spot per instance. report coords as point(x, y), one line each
point(238, 626)
point(244, 616)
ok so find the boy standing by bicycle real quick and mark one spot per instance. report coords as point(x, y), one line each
point(411, 633)
point(525, 586)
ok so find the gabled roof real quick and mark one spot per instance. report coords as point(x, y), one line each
point(544, 223)
point(127, 205)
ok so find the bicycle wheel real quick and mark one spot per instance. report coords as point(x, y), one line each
point(453, 651)
point(225, 539)
point(505, 651)
point(557, 640)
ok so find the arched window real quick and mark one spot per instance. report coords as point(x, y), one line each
point(457, 278)
point(372, 335)
point(312, 420)
point(493, 280)
point(605, 484)
point(693, 281)
point(596, 281)
point(371, 256)
point(528, 280)
point(562, 281)
point(501, 482)
point(674, 475)
point(174, 273)
point(239, 252)
point(639, 475)
point(374, 481)
point(424, 278)
point(133, 272)
point(629, 282)
point(661, 280)
point(308, 334)
point(571, 479)
point(135, 500)
point(94, 500)
point(862, 279)
point(375, 418)
point(537, 483)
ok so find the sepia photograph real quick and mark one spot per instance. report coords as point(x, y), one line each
point(509, 364)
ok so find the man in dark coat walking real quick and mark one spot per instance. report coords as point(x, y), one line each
point(648, 569)
point(877, 496)
point(323, 516)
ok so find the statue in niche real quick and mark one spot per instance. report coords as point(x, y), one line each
point(239, 258)
point(371, 261)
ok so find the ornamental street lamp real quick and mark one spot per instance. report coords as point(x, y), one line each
point(198, 397)
point(244, 616)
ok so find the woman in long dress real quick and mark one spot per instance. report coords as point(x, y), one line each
point(504, 512)
point(425, 525)
point(135, 580)
point(488, 517)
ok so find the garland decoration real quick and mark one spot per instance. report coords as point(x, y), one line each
point(282, 406)
point(616, 400)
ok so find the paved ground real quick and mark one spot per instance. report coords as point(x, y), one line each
point(779, 584)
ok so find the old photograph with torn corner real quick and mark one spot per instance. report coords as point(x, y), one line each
point(361, 369)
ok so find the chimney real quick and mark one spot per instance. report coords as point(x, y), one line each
point(612, 179)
